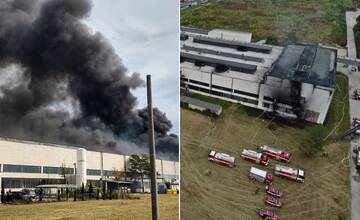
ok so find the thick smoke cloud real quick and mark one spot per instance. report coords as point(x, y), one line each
point(61, 83)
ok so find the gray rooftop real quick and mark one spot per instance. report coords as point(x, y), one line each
point(307, 63)
point(212, 107)
point(194, 30)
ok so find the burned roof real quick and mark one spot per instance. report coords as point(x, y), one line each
point(307, 63)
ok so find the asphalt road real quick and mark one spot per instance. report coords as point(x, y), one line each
point(354, 82)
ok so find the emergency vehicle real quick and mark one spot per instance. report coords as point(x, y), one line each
point(269, 200)
point(290, 173)
point(268, 215)
point(276, 153)
point(221, 158)
point(271, 190)
point(260, 175)
point(255, 157)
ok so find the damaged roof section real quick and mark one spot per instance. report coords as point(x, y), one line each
point(307, 63)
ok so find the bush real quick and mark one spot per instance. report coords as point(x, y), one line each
point(314, 141)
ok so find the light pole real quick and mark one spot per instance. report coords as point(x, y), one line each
point(154, 202)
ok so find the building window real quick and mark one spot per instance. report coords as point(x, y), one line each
point(57, 170)
point(21, 168)
point(221, 88)
point(108, 173)
point(92, 172)
point(199, 83)
point(246, 93)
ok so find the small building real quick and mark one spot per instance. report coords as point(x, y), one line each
point(201, 105)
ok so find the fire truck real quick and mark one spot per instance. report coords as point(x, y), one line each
point(356, 94)
point(221, 158)
point(260, 175)
point(276, 153)
point(267, 214)
point(255, 157)
point(357, 156)
point(290, 173)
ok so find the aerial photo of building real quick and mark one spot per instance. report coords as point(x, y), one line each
point(296, 81)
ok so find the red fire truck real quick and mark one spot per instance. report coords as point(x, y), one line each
point(221, 158)
point(276, 153)
point(290, 173)
point(255, 157)
point(260, 175)
point(267, 214)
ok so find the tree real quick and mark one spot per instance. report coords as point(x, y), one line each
point(272, 40)
point(82, 191)
point(91, 190)
point(118, 175)
point(63, 172)
point(140, 165)
point(2, 191)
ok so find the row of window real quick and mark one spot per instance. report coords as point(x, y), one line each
point(10, 168)
point(226, 95)
point(224, 88)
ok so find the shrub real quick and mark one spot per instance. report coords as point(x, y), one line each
point(314, 141)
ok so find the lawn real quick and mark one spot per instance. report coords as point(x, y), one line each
point(210, 191)
point(95, 209)
point(309, 21)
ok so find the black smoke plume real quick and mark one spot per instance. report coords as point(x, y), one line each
point(60, 82)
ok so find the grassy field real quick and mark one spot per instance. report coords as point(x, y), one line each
point(108, 209)
point(210, 191)
point(309, 20)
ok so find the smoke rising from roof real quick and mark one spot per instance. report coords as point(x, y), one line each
point(61, 83)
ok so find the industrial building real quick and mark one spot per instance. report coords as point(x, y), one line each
point(296, 81)
point(26, 164)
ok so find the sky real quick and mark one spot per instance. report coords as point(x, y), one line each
point(145, 36)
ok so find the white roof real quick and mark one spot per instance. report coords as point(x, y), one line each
point(258, 172)
point(231, 35)
point(251, 153)
point(224, 156)
point(289, 170)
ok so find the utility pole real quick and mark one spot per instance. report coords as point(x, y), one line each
point(154, 202)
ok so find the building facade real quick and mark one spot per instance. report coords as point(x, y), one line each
point(25, 164)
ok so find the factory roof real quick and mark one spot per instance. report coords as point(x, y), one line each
point(307, 63)
point(212, 107)
point(262, 61)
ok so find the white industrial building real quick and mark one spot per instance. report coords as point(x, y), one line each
point(296, 81)
point(26, 164)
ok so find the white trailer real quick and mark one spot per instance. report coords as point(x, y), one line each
point(260, 175)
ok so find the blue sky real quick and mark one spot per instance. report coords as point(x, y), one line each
point(145, 36)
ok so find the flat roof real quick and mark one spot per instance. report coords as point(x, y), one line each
point(194, 30)
point(231, 43)
point(307, 63)
point(212, 107)
point(249, 68)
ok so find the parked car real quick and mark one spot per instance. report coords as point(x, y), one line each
point(267, 214)
point(273, 191)
point(269, 200)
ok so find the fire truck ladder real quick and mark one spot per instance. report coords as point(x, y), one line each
point(348, 132)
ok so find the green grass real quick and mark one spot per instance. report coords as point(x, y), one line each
point(94, 209)
point(224, 104)
point(311, 21)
